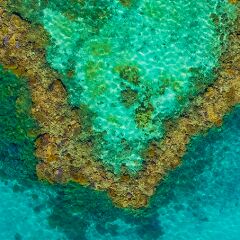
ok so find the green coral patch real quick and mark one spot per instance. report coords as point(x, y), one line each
point(18, 130)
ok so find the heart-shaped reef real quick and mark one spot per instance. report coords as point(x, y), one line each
point(120, 86)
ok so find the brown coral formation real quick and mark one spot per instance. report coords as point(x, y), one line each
point(233, 1)
point(63, 157)
point(126, 3)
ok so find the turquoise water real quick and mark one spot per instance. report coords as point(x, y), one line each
point(199, 200)
point(132, 67)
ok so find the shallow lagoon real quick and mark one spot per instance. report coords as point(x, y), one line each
point(132, 66)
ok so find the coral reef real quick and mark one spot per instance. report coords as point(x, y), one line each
point(101, 48)
point(63, 154)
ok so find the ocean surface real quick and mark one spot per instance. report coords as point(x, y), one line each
point(200, 199)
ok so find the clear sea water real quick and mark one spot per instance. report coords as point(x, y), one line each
point(200, 200)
